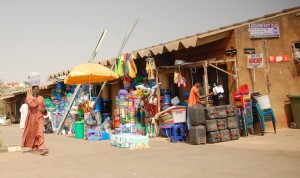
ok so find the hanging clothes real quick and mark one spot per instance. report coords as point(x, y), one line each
point(119, 68)
point(150, 68)
point(179, 79)
point(129, 68)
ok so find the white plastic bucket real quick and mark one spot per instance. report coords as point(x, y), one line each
point(34, 78)
point(263, 102)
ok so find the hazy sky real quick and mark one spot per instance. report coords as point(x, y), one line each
point(56, 35)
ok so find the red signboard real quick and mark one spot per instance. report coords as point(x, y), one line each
point(255, 61)
point(282, 58)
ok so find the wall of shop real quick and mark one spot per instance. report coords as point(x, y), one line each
point(275, 79)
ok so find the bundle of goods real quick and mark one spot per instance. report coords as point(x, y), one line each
point(58, 102)
point(96, 135)
point(166, 122)
point(221, 124)
point(130, 141)
point(197, 131)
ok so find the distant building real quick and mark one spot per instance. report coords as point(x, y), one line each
point(12, 84)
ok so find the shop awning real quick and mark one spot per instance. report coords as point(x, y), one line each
point(190, 41)
point(6, 97)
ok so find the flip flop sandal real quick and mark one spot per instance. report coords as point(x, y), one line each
point(44, 152)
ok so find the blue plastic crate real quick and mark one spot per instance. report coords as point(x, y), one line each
point(94, 135)
point(105, 136)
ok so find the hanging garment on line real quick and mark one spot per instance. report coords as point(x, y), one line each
point(150, 68)
point(119, 68)
point(129, 67)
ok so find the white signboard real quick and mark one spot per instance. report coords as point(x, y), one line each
point(264, 30)
point(255, 61)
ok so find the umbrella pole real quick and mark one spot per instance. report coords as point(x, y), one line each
point(79, 85)
point(128, 34)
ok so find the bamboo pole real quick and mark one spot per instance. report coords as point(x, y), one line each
point(128, 34)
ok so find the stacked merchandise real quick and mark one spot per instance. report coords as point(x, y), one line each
point(221, 124)
point(197, 131)
point(129, 121)
point(130, 141)
point(243, 104)
point(56, 107)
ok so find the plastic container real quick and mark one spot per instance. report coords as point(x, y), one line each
point(224, 135)
point(165, 106)
point(106, 106)
point(165, 117)
point(105, 136)
point(34, 78)
point(263, 102)
point(58, 97)
point(165, 92)
point(79, 129)
point(105, 116)
point(60, 85)
point(179, 115)
point(166, 130)
point(197, 135)
point(123, 92)
point(98, 105)
point(94, 135)
point(166, 99)
point(196, 115)
point(295, 103)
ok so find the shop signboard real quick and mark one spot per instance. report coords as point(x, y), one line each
point(230, 52)
point(255, 61)
point(282, 58)
point(264, 30)
point(249, 51)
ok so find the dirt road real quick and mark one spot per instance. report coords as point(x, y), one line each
point(272, 155)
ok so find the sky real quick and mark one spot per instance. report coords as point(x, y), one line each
point(49, 36)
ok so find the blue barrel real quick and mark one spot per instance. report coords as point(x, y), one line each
point(60, 85)
point(105, 116)
point(98, 105)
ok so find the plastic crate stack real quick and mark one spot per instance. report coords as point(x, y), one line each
point(221, 124)
point(197, 119)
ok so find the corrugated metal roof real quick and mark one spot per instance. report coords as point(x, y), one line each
point(192, 40)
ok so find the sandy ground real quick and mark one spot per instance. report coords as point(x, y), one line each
point(272, 155)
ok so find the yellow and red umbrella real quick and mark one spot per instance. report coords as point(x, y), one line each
point(88, 73)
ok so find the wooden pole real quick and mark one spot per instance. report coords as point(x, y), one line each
point(221, 70)
point(158, 91)
point(236, 75)
point(205, 81)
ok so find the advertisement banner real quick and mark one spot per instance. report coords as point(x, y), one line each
point(264, 30)
point(283, 58)
point(255, 61)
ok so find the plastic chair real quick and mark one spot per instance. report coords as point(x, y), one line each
point(245, 118)
point(178, 133)
point(266, 115)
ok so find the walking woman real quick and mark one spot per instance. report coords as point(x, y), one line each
point(33, 136)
